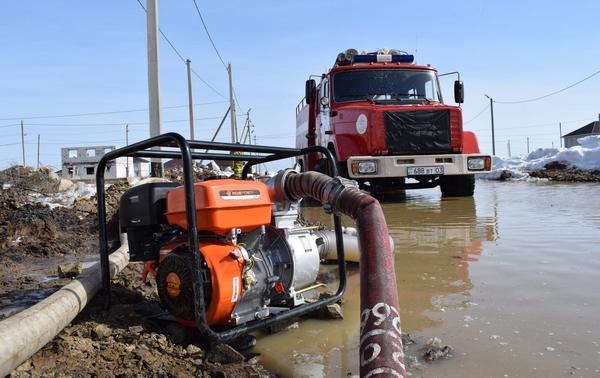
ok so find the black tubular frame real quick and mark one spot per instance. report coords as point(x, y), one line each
point(184, 152)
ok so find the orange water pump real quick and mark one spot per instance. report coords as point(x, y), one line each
point(252, 258)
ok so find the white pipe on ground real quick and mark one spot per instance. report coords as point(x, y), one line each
point(25, 333)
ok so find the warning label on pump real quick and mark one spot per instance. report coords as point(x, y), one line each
point(239, 194)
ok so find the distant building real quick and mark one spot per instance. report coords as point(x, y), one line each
point(592, 128)
point(79, 163)
point(176, 163)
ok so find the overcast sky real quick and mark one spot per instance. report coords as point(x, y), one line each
point(71, 57)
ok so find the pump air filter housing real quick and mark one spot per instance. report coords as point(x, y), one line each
point(222, 205)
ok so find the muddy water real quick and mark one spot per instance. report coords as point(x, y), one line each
point(39, 272)
point(510, 279)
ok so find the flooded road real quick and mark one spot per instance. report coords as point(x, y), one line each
point(508, 278)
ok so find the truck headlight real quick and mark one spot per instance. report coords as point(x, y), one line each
point(364, 167)
point(479, 163)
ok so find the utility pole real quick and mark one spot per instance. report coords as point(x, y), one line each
point(127, 144)
point(188, 63)
point(232, 115)
point(38, 152)
point(527, 144)
point(153, 79)
point(560, 133)
point(492, 117)
point(23, 142)
point(246, 130)
point(508, 145)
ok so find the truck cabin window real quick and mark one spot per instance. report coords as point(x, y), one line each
point(386, 86)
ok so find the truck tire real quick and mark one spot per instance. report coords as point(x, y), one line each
point(457, 186)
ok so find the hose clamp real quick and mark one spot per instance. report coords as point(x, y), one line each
point(333, 189)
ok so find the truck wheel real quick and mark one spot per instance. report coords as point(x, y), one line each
point(457, 186)
point(388, 189)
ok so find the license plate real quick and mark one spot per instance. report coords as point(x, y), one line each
point(423, 171)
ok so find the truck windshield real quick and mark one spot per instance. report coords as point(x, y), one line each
point(386, 85)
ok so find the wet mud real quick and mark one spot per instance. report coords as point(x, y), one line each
point(557, 171)
point(133, 339)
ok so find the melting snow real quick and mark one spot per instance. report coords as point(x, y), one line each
point(584, 157)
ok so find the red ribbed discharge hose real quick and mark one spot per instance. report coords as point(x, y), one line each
point(381, 352)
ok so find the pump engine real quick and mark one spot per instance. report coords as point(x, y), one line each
point(254, 256)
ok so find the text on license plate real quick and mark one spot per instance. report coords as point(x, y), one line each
point(432, 170)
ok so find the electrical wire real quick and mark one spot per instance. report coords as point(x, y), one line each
point(539, 124)
point(100, 113)
point(478, 114)
point(545, 124)
point(11, 125)
point(181, 56)
point(123, 123)
point(236, 100)
point(208, 34)
point(212, 42)
point(549, 94)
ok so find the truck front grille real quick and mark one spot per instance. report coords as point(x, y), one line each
point(421, 131)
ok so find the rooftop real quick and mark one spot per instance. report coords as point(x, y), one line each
point(590, 128)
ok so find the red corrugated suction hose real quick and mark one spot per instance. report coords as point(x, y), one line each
point(381, 352)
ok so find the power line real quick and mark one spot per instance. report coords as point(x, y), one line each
point(215, 48)
point(181, 56)
point(11, 124)
point(61, 141)
point(208, 34)
point(541, 124)
point(122, 123)
point(100, 113)
point(478, 114)
point(236, 101)
point(549, 94)
point(544, 124)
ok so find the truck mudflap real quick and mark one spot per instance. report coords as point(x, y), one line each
point(364, 167)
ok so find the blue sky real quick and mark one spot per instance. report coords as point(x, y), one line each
point(69, 57)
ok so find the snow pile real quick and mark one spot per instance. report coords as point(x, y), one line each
point(585, 157)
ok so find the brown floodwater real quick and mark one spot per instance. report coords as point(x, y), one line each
point(510, 279)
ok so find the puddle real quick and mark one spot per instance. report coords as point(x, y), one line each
point(26, 291)
point(507, 278)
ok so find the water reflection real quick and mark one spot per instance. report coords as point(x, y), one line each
point(526, 253)
point(435, 240)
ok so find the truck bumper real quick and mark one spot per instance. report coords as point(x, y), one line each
point(427, 165)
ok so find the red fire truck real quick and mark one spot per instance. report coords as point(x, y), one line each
point(384, 119)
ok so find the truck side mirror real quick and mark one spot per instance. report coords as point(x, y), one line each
point(310, 90)
point(459, 92)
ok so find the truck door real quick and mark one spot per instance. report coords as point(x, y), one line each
point(323, 123)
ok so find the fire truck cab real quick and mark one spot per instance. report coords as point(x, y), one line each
point(384, 119)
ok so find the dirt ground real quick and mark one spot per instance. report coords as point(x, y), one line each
point(557, 171)
point(131, 339)
point(33, 234)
